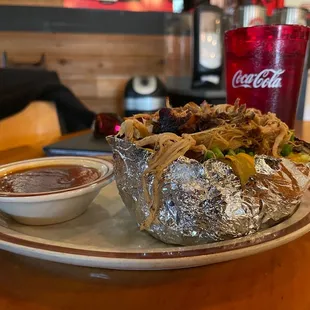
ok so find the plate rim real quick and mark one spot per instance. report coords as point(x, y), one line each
point(19, 239)
point(153, 264)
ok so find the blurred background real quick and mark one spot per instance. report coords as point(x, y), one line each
point(84, 57)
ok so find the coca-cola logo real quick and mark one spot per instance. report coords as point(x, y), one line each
point(268, 78)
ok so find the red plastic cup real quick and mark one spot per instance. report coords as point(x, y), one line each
point(264, 66)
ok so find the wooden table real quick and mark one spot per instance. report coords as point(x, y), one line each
point(278, 279)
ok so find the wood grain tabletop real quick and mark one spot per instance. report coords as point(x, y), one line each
point(278, 279)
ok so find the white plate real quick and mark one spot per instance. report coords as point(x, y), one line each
point(106, 236)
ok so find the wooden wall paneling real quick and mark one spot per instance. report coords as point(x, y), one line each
point(101, 94)
point(33, 2)
point(69, 44)
point(98, 87)
point(106, 105)
point(108, 65)
point(95, 67)
point(82, 87)
point(111, 86)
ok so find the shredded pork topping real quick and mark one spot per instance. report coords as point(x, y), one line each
point(192, 130)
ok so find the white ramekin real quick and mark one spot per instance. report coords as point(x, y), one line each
point(57, 206)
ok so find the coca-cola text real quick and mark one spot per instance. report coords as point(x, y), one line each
point(268, 78)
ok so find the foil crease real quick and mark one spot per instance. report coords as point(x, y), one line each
point(201, 203)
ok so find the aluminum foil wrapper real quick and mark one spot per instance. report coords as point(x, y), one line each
point(201, 203)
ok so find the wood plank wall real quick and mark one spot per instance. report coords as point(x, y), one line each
point(95, 66)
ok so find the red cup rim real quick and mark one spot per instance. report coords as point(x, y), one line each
point(285, 32)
